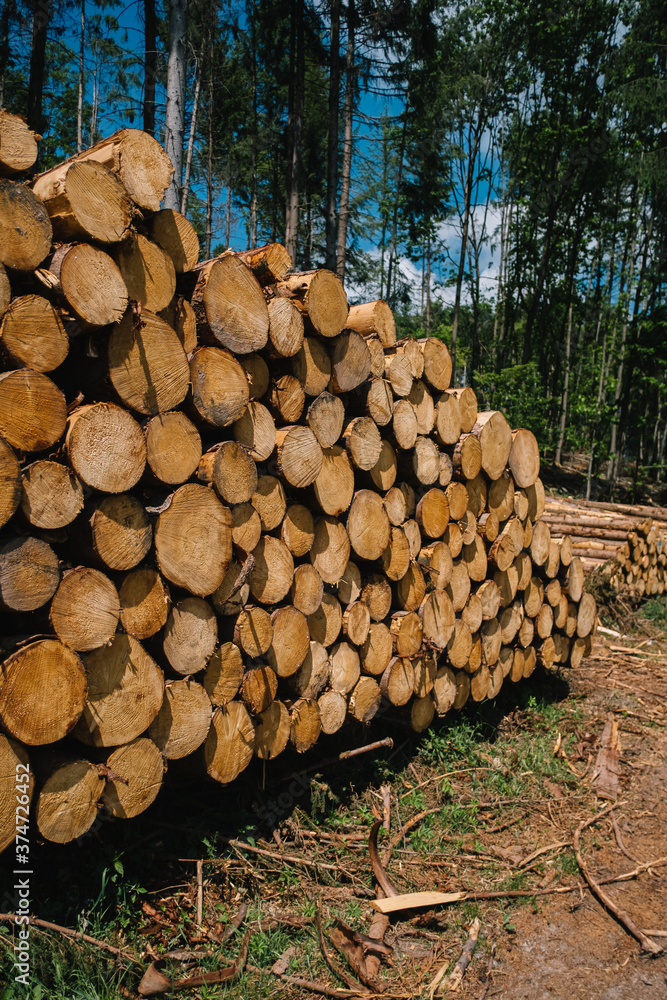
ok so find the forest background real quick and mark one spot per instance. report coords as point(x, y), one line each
point(495, 170)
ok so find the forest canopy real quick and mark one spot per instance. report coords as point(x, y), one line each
point(494, 170)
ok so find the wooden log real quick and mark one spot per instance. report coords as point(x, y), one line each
point(287, 399)
point(363, 442)
point(404, 424)
point(256, 431)
point(345, 667)
point(271, 576)
point(535, 494)
point(330, 551)
point(28, 680)
point(333, 708)
point(183, 722)
point(350, 362)
point(424, 674)
point(368, 526)
point(437, 363)
point(413, 535)
point(125, 691)
point(365, 699)
point(459, 646)
point(411, 589)
point(334, 484)
point(320, 296)
point(313, 674)
point(524, 568)
point(422, 403)
point(489, 594)
point(426, 461)
point(376, 652)
point(190, 635)
point(85, 609)
point(253, 631)
point(462, 680)
point(380, 402)
point(144, 603)
point(307, 589)
point(269, 263)
point(18, 145)
point(395, 506)
point(507, 581)
point(373, 319)
point(229, 305)
point(32, 410)
point(180, 316)
point(148, 272)
point(524, 458)
point(533, 597)
point(297, 529)
point(259, 688)
point(11, 485)
point(26, 227)
point(544, 621)
point(270, 502)
point(273, 730)
point(467, 400)
point(491, 636)
point(326, 415)
point(231, 470)
point(257, 374)
point(230, 742)
point(312, 366)
point(325, 624)
point(433, 513)
point(105, 447)
point(173, 447)
point(475, 559)
point(473, 612)
point(574, 580)
point(586, 615)
point(398, 681)
point(299, 455)
point(446, 469)
point(457, 498)
point(422, 711)
point(495, 437)
point(444, 690)
point(438, 619)
point(224, 673)
point(458, 588)
point(500, 496)
point(453, 539)
point(467, 456)
point(121, 531)
point(68, 799)
point(219, 386)
point(356, 623)
point(32, 333)
point(51, 495)
point(305, 724)
point(385, 469)
point(503, 550)
point(291, 641)
point(84, 200)
point(436, 559)
point(398, 371)
point(488, 526)
point(176, 235)
point(552, 563)
point(29, 574)
point(468, 526)
point(193, 540)
point(477, 495)
point(147, 364)
point(447, 420)
point(406, 630)
point(376, 594)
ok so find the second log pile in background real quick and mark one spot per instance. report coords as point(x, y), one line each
point(239, 510)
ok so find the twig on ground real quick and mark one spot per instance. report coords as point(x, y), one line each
point(607, 902)
point(200, 893)
point(73, 935)
point(285, 858)
point(340, 973)
point(545, 850)
point(383, 879)
point(456, 976)
point(619, 840)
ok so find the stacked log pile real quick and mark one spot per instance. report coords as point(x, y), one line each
point(235, 510)
point(626, 542)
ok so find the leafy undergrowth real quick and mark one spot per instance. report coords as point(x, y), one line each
point(487, 782)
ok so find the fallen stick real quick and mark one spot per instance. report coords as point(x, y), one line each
point(456, 977)
point(340, 973)
point(607, 902)
point(545, 850)
point(619, 839)
point(74, 935)
point(275, 856)
point(383, 879)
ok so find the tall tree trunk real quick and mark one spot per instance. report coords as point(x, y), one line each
point(150, 65)
point(612, 465)
point(346, 172)
point(332, 141)
point(193, 128)
point(566, 383)
point(7, 9)
point(209, 165)
point(96, 95)
point(295, 126)
point(41, 14)
point(399, 182)
point(254, 137)
point(175, 112)
point(465, 223)
point(79, 104)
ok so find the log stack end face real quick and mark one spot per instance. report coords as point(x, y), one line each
point(269, 514)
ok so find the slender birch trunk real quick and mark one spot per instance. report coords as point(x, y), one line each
point(346, 171)
point(193, 128)
point(332, 142)
point(175, 111)
point(79, 103)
